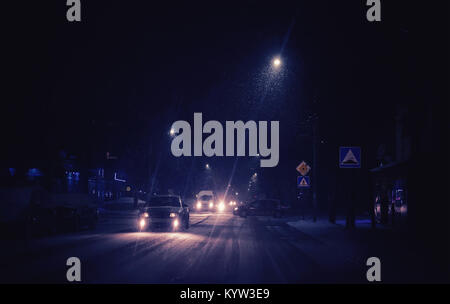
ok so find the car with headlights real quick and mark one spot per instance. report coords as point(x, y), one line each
point(262, 207)
point(164, 211)
point(206, 201)
point(225, 205)
point(236, 207)
point(232, 204)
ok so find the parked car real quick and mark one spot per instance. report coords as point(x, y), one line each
point(237, 207)
point(265, 207)
point(34, 211)
point(63, 212)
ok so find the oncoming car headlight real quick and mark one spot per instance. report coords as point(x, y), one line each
point(172, 214)
point(199, 205)
point(211, 205)
point(142, 223)
point(145, 214)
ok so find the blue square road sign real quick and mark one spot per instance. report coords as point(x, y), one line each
point(349, 157)
point(303, 182)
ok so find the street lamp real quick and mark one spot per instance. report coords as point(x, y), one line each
point(276, 62)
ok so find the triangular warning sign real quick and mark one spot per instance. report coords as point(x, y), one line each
point(350, 158)
point(303, 182)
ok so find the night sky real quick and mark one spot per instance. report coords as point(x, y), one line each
point(118, 80)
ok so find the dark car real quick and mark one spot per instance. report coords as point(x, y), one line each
point(76, 218)
point(163, 211)
point(28, 211)
point(50, 218)
point(237, 207)
point(267, 207)
point(74, 211)
point(42, 220)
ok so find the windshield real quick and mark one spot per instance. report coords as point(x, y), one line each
point(206, 197)
point(163, 201)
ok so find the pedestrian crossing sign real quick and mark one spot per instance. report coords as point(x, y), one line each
point(350, 157)
point(303, 182)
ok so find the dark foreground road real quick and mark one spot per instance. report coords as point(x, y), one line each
point(218, 248)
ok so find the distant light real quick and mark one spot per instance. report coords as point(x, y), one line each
point(207, 166)
point(172, 132)
point(277, 62)
point(142, 223)
point(128, 188)
point(175, 223)
point(33, 172)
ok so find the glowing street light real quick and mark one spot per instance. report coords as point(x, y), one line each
point(172, 132)
point(207, 166)
point(276, 62)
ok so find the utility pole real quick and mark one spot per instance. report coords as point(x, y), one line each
point(312, 122)
point(314, 182)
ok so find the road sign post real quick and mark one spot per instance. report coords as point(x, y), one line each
point(350, 158)
point(303, 181)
